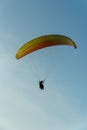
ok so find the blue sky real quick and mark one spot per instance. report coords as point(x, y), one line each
point(63, 103)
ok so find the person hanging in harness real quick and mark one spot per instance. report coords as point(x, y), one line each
point(41, 84)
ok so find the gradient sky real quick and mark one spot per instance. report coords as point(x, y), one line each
point(63, 103)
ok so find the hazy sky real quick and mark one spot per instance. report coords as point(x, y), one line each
point(63, 103)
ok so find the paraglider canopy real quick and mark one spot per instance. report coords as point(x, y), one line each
point(43, 42)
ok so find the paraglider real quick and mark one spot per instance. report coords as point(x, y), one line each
point(43, 42)
point(41, 84)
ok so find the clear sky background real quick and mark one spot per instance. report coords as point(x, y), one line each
point(63, 103)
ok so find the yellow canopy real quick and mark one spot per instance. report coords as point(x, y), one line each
point(42, 42)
